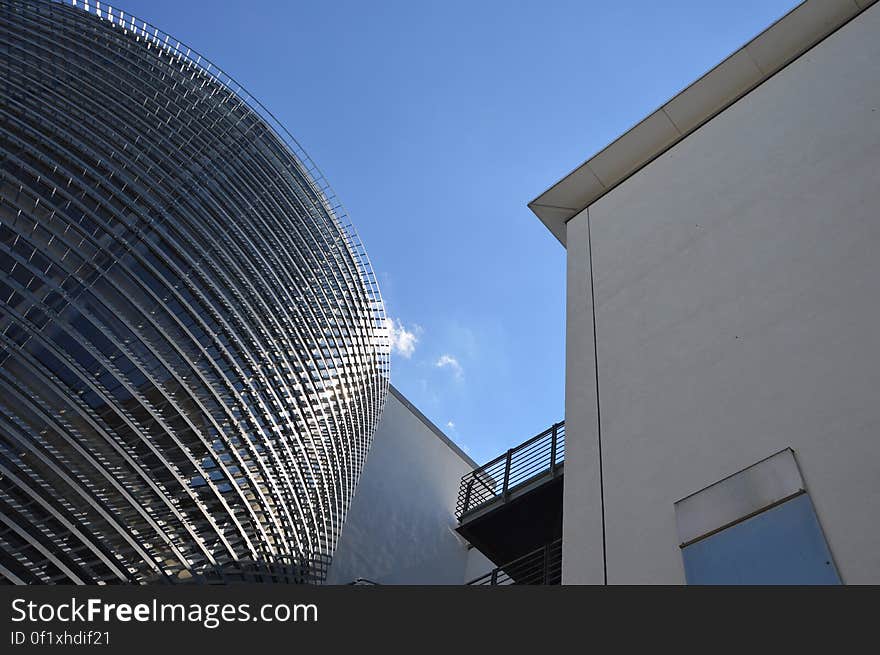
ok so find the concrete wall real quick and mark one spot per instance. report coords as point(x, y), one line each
point(737, 300)
point(582, 538)
point(400, 527)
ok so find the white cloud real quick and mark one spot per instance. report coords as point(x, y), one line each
point(403, 342)
point(450, 425)
point(450, 362)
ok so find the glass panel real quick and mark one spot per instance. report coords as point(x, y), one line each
point(782, 545)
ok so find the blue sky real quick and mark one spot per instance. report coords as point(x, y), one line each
point(436, 122)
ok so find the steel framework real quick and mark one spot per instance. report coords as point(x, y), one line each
point(193, 347)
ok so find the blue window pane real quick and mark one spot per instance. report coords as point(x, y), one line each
point(783, 545)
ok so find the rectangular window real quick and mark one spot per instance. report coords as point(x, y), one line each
point(755, 527)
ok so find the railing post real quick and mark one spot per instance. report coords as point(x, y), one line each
point(546, 564)
point(553, 450)
point(494, 580)
point(467, 496)
point(505, 491)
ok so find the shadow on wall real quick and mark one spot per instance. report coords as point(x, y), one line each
point(400, 528)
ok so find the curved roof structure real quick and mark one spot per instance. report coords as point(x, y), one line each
point(193, 354)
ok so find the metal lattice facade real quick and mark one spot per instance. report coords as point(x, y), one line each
point(192, 345)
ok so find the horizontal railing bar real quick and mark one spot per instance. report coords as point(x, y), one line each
point(535, 443)
point(524, 463)
point(530, 466)
point(531, 442)
point(537, 437)
point(527, 459)
point(501, 458)
point(541, 566)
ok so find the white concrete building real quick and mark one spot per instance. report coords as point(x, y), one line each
point(400, 528)
point(723, 308)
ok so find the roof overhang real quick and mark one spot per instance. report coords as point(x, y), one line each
point(762, 57)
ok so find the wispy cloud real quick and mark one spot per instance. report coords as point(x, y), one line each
point(450, 362)
point(450, 428)
point(403, 341)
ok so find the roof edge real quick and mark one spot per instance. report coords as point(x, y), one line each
point(786, 40)
point(430, 424)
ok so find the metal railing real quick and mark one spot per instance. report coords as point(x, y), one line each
point(541, 454)
point(540, 567)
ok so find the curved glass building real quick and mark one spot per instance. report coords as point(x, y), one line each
point(192, 347)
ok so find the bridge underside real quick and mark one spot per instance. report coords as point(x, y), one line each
point(506, 529)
